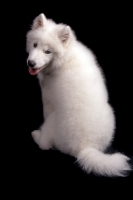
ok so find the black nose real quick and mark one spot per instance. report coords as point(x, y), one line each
point(31, 63)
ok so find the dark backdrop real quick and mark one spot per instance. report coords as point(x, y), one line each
point(104, 28)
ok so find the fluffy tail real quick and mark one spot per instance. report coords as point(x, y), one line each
point(92, 160)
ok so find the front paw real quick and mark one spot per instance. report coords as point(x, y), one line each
point(36, 136)
point(43, 142)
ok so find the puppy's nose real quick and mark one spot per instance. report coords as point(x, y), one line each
point(31, 63)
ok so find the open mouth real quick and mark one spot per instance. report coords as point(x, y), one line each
point(34, 71)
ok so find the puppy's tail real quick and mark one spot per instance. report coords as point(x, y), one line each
point(92, 160)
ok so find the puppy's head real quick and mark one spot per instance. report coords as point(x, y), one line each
point(46, 43)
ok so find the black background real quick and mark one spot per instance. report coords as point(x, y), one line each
point(106, 30)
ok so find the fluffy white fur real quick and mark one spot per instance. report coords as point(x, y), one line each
point(78, 118)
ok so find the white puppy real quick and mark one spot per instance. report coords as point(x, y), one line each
point(78, 118)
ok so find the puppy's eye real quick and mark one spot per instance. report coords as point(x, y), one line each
point(47, 52)
point(35, 45)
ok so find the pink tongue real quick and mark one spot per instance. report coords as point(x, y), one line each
point(33, 71)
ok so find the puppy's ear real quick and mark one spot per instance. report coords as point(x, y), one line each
point(64, 34)
point(39, 21)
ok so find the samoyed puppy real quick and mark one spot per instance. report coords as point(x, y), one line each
point(78, 118)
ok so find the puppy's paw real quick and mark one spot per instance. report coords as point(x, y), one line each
point(36, 136)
